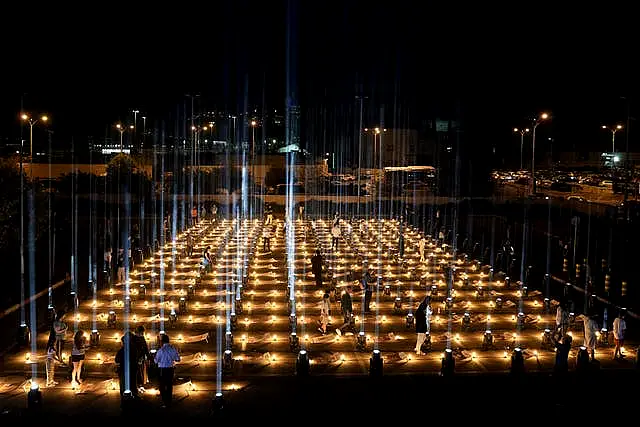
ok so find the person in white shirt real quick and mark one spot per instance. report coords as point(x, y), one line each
point(335, 236)
point(562, 320)
point(421, 246)
point(590, 328)
point(166, 356)
point(619, 329)
point(324, 313)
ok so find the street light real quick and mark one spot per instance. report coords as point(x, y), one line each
point(543, 117)
point(376, 131)
point(32, 122)
point(613, 130)
point(521, 132)
point(24, 334)
point(122, 129)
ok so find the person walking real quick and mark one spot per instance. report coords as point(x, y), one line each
point(421, 325)
point(266, 239)
point(346, 306)
point(316, 267)
point(77, 358)
point(166, 356)
point(619, 329)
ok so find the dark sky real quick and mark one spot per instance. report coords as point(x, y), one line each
point(89, 67)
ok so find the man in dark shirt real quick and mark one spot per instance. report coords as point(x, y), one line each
point(366, 287)
point(128, 367)
point(562, 355)
point(316, 268)
point(347, 310)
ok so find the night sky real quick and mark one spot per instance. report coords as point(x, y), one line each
point(89, 68)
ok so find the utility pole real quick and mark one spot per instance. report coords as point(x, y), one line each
point(361, 98)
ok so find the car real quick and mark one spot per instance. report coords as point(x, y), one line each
point(575, 198)
point(537, 196)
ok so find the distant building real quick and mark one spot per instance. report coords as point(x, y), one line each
point(389, 147)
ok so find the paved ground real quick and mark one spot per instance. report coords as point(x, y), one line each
point(489, 398)
point(262, 374)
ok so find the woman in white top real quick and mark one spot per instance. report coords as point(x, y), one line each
point(324, 313)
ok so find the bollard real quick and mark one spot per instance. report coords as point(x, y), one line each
point(624, 288)
point(375, 364)
point(517, 362)
point(607, 283)
point(565, 265)
point(448, 364)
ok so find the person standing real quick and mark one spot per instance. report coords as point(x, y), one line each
point(77, 358)
point(619, 329)
point(127, 364)
point(143, 356)
point(335, 235)
point(165, 358)
point(120, 263)
point(421, 247)
point(325, 311)
point(316, 267)
point(51, 363)
point(194, 215)
point(60, 329)
point(421, 326)
point(562, 355)
point(366, 286)
point(346, 306)
point(562, 320)
point(107, 264)
point(590, 328)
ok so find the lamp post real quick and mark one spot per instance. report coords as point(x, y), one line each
point(122, 129)
point(521, 132)
point(32, 122)
point(24, 334)
point(144, 129)
point(376, 139)
point(613, 130)
point(536, 123)
point(135, 123)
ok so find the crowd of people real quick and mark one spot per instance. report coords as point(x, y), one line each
point(132, 360)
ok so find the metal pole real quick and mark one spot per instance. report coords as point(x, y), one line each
point(22, 313)
point(359, 153)
point(521, 150)
point(613, 141)
point(533, 160)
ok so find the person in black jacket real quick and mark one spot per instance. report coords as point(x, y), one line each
point(316, 268)
point(128, 367)
point(421, 324)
